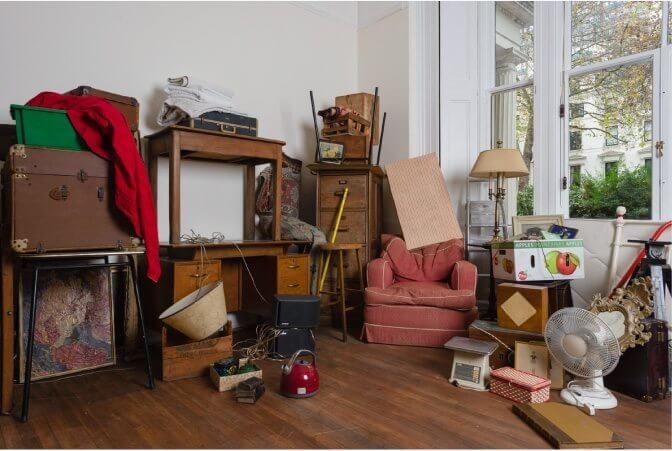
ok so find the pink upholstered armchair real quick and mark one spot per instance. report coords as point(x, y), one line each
point(421, 297)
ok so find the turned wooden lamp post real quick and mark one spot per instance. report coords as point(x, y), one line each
point(497, 165)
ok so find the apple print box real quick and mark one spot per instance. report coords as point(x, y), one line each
point(532, 260)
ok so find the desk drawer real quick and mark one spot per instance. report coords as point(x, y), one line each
point(352, 228)
point(189, 275)
point(293, 274)
point(332, 186)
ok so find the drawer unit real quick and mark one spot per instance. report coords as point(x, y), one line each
point(352, 228)
point(282, 274)
point(333, 186)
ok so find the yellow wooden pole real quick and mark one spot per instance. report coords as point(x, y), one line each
point(332, 239)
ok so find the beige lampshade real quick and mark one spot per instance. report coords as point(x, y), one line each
point(509, 162)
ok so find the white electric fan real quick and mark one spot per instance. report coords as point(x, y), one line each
point(586, 347)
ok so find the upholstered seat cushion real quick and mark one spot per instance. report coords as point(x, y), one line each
point(431, 294)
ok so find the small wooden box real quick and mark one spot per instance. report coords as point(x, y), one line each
point(354, 147)
point(522, 307)
point(351, 124)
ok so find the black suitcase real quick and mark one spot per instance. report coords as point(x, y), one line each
point(642, 371)
point(224, 122)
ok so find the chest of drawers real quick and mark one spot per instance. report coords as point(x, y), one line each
point(362, 216)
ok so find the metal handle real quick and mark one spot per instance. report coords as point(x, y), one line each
point(340, 192)
point(198, 276)
point(287, 368)
point(292, 285)
point(342, 182)
point(344, 229)
point(231, 131)
point(293, 266)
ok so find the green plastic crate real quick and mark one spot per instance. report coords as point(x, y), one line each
point(45, 127)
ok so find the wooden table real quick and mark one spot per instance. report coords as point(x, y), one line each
point(178, 143)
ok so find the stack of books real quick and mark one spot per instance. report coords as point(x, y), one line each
point(250, 390)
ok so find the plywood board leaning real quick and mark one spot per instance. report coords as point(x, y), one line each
point(422, 201)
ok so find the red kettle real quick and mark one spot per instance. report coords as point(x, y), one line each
point(299, 377)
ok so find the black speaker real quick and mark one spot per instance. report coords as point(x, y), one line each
point(296, 310)
point(291, 340)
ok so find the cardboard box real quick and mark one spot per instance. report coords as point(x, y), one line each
point(527, 260)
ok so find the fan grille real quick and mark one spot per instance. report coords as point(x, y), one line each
point(603, 350)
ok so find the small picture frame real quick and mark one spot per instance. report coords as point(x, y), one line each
point(331, 153)
point(532, 357)
point(532, 226)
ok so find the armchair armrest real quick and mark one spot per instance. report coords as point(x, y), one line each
point(379, 273)
point(464, 277)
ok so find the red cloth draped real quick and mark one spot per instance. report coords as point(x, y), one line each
point(104, 129)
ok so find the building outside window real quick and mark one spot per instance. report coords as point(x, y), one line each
point(575, 174)
point(611, 136)
point(610, 166)
point(575, 140)
point(648, 130)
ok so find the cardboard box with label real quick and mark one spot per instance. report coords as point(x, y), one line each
point(528, 260)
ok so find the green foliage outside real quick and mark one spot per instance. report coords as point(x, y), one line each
point(526, 201)
point(598, 196)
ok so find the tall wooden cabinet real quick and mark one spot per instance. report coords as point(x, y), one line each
point(363, 213)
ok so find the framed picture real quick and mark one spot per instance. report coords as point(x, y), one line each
point(331, 152)
point(74, 326)
point(533, 225)
point(532, 357)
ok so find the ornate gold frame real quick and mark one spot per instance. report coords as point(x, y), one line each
point(635, 303)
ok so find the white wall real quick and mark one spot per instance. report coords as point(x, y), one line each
point(269, 53)
point(383, 62)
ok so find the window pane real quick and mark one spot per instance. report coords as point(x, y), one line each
point(512, 116)
point(514, 42)
point(602, 31)
point(612, 149)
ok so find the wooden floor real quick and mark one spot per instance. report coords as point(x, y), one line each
point(371, 396)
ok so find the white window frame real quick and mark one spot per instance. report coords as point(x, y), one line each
point(552, 39)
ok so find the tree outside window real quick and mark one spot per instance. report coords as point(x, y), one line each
point(648, 130)
point(610, 167)
point(575, 140)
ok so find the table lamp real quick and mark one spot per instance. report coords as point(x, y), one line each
point(498, 164)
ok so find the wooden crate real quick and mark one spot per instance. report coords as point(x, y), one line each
point(350, 124)
point(182, 358)
point(363, 104)
point(354, 148)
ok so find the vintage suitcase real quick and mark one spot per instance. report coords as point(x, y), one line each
point(642, 371)
point(62, 200)
point(224, 122)
point(128, 106)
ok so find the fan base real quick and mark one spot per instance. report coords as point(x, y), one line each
point(600, 399)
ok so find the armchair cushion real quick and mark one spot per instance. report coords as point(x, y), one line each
point(431, 263)
point(432, 294)
point(379, 273)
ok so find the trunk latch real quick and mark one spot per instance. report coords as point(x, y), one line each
point(82, 176)
point(101, 194)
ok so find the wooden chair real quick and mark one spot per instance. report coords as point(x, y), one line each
point(338, 249)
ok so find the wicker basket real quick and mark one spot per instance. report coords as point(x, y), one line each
point(225, 383)
point(519, 386)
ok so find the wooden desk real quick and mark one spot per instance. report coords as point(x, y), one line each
point(178, 143)
point(231, 249)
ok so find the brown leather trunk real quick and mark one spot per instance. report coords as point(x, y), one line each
point(62, 200)
point(128, 106)
point(642, 371)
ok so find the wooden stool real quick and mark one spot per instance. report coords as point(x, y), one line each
point(338, 249)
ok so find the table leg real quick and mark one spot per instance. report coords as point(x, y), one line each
point(7, 330)
point(141, 321)
point(174, 190)
point(249, 202)
point(277, 199)
point(29, 346)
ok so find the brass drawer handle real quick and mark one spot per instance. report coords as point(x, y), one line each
point(292, 285)
point(293, 266)
point(343, 229)
point(342, 182)
point(339, 192)
point(198, 276)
